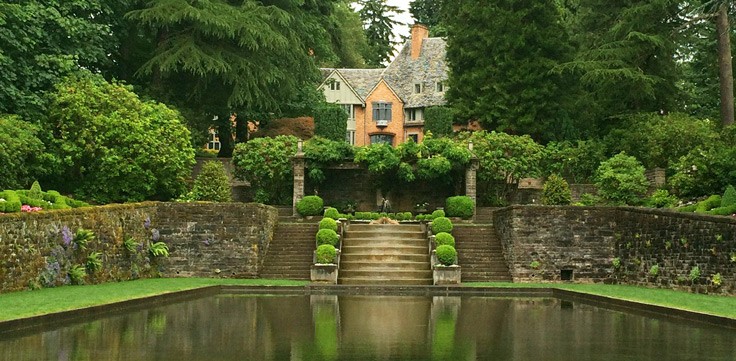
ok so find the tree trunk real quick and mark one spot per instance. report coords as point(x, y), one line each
point(725, 67)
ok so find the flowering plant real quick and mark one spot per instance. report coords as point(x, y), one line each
point(27, 208)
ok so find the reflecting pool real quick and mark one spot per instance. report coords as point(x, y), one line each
point(243, 327)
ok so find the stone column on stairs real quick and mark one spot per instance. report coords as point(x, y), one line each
point(298, 163)
point(471, 186)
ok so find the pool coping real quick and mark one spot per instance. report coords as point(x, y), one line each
point(34, 323)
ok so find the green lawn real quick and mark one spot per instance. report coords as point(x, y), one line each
point(709, 304)
point(31, 303)
point(49, 300)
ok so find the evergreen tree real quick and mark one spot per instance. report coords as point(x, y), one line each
point(429, 12)
point(501, 56)
point(378, 22)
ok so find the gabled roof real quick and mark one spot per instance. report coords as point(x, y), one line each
point(327, 74)
point(361, 81)
point(427, 70)
point(382, 80)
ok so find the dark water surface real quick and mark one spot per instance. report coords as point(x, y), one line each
point(237, 327)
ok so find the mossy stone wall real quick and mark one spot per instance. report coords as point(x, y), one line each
point(202, 239)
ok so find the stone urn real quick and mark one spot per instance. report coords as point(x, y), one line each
point(324, 273)
point(446, 275)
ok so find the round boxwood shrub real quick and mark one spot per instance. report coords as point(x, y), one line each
point(310, 206)
point(212, 183)
point(326, 254)
point(327, 236)
point(460, 206)
point(441, 224)
point(446, 255)
point(332, 213)
point(438, 213)
point(444, 238)
point(328, 223)
point(556, 191)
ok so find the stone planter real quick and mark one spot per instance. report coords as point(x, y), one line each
point(446, 275)
point(324, 273)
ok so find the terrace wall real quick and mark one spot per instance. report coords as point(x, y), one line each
point(539, 242)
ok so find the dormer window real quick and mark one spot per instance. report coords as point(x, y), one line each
point(335, 85)
point(417, 88)
point(440, 87)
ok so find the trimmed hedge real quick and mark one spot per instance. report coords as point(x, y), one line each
point(212, 183)
point(441, 224)
point(332, 213)
point(460, 206)
point(444, 238)
point(711, 202)
point(330, 121)
point(328, 223)
point(446, 255)
point(729, 197)
point(438, 213)
point(310, 206)
point(327, 236)
point(556, 191)
point(326, 254)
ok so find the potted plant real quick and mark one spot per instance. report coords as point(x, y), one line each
point(445, 270)
point(324, 269)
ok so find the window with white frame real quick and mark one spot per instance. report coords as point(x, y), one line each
point(381, 112)
point(382, 138)
point(440, 87)
point(350, 137)
point(335, 85)
point(349, 109)
point(214, 140)
point(417, 88)
point(414, 137)
point(414, 115)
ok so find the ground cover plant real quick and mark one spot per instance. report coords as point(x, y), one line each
point(33, 200)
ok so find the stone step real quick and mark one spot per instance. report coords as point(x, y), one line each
point(388, 228)
point(387, 250)
point(381, 265)
point(388, 258)
point(384, 281)
point(379, 273)
point(384, 235)
point(385, 242)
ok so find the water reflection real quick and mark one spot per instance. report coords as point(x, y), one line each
point(236, 327)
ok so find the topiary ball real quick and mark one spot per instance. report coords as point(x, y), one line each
point(441, 224)
point(556, 191)
point(328, 223)
point(444, 238)
point(327, 236)
point(460, 206)
point(310, 206)
point(332, 213)
point(326, 254)
point(446, 255)
point(438, 213)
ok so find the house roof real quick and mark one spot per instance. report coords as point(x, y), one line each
point(404, 72)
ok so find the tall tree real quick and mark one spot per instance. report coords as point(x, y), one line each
point(501, 57)
point(627, 58)
point(41, 42)
point(378, 22)
point(429, 12)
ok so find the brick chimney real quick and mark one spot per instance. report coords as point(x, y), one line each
point(419, 32)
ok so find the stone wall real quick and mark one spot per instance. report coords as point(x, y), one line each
point(619, 245)
point(211, 240)
point(202, 237)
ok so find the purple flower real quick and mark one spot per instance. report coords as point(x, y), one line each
point(147, 222)
point(66, 235)
point(206, 242)
point(155, 235)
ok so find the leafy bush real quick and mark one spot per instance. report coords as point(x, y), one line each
point(332, 213)
point(77, 274)
point(326, 254)
point(328, 223)
point(11, 202)
point(556, 191)
point(22, 154)
point(330, 121)
point(212, 184)
point(327, 236)
point(266, 164)
point(587, 199)
point(446, 255)
point(438, 213)
point(310, 206)
point(576, 161)
point(94, 263)
point(621, 180)
point(109, 146)
point(158, 249)
point(661, 198)
point(460, 206)
point(723, 211)
point(444, 238)
point(704, 170)
point(729, 196)
point(709, 203)
point(438, 120)
point(441, 224)
point(82, 237)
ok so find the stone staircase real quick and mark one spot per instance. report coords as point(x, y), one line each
point(385, 254)
point(480, 253)
point(484, 214)
point(290, 253)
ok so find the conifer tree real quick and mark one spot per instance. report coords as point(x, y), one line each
point(378, 22)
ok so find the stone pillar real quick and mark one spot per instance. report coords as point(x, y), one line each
point(298, 163)
point(471, 186)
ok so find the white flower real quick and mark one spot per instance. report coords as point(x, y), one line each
point(2, 199)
